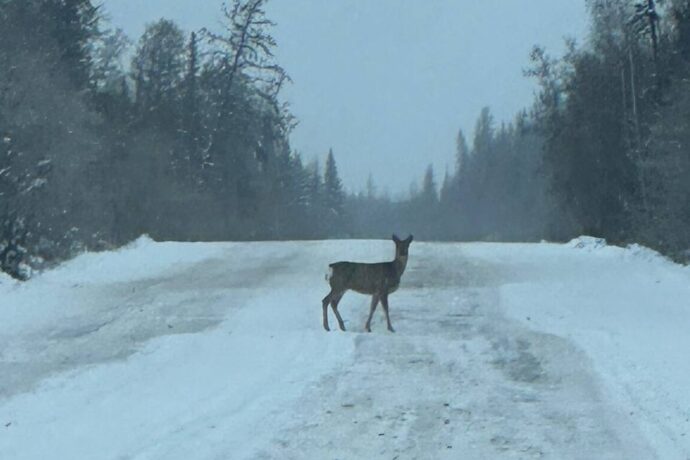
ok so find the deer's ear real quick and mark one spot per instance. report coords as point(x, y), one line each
point(395, 238)
point(409, 239)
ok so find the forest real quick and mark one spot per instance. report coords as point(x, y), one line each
point(184, 136)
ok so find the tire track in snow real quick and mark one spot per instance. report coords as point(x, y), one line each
point(112, 321)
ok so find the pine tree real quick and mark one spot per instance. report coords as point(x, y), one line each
point(483, 132)
point(445, 195)
point(192, 128)
point(429, 193)
point(333, 187)
point(107, 70)
point(316, 209)
point(371, 188)
point(462, 154)
point(73, 24)
point(158, 68)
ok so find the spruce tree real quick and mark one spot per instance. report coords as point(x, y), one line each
point(333, 187)
point(334, 197)
point(73, 24)
point(462, 154)
point(158, 68)
point(429, 193)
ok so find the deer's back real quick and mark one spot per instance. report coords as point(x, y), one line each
point(364, 278)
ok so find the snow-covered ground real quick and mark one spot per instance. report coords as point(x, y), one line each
point(216, 351)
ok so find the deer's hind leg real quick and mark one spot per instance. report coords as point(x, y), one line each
point(332, 299)
point(326, 300)
point(335, 299)
point(372, 309)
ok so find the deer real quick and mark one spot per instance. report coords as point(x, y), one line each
point(375, 279)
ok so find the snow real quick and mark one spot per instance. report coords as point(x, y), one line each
point(628, 310)
point(215, 350)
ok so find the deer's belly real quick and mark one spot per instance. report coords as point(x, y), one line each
point(375, 289)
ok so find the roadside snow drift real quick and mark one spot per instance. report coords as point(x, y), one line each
point(216, 351)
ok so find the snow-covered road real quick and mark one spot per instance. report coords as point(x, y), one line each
point(215, 351)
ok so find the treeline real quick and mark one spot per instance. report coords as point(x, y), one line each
point(187, 140)
point(496, 192)
point(499, 190)
point(614, 120)
point(603, 151)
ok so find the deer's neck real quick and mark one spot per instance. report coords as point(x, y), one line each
point(400, 263)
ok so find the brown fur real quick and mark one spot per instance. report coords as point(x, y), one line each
point(377, 280)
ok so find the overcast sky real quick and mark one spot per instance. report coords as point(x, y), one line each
point(387, 83)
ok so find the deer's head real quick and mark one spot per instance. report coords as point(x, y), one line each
point(401, 246)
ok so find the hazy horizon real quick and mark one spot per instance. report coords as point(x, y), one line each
point(387, 84)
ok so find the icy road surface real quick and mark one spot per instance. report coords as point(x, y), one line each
point(216, 351)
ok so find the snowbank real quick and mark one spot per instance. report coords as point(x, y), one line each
point(143, 258)
point(628, 309)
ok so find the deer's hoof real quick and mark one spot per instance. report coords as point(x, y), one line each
point(391, 329)
point(327, 328)
point(342, 328)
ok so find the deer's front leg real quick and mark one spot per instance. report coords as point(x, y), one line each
point(384, 304)
point(372, 309)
